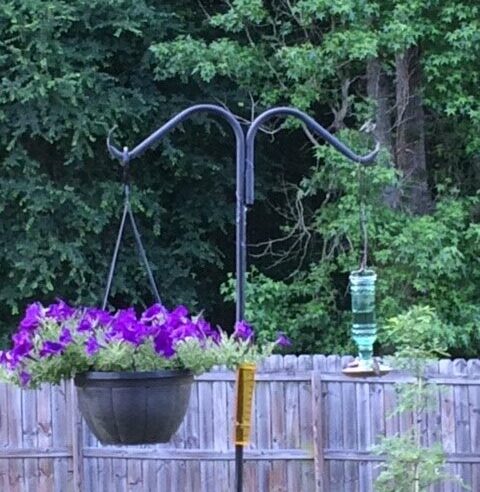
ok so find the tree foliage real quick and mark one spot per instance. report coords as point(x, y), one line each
point(70, 72)
point(73, 70)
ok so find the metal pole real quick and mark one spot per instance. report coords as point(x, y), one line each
point(238, 468)
point(240, 213)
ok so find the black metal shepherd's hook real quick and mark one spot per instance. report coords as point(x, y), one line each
point(312, 125)
point(244, 188)
point(250, 192)
point(241, 255)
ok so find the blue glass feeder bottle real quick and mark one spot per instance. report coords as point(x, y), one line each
point(364, 328)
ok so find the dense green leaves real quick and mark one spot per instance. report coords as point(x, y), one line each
point(70, 71)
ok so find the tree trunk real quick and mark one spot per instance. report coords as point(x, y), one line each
point(379, 90)
point(410, 132)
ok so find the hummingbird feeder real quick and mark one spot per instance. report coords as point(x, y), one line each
point(362, 291)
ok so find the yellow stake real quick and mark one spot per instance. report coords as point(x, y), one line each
point(245, 386)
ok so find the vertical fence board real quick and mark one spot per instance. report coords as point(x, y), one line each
point(434, 420)
point(377, 412)
point(349, 423)
point(135, 476)
point(263, 431)
point(191, 440)
point(434, 417)
point(4, 423)
point(44, 426)
point(462, 421)
point(364, 434)
point(474, 417)
point(61, 436)
point(318, 437)
point(334, 424)
point(149, 471)
point(230, 388)
point(104, 473)
point(320, 362)
point(292, 424)
point(165, 476)
point(206, 432)
point(305, 365)
point(76, 430)
point(221, 430)
point(30, 438)
point(448, 420)
point(250, 479)
point(278, 476)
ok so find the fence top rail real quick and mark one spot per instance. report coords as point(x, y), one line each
point(299, 368)
point(305, 376)
point(292, 368)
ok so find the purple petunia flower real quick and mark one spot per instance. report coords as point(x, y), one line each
point(205, 330)
point(25, 378)
point(85, 325)
point(163, 344)
point(135, 333)
point(126, 327)
point(98, 316)
point(22, 345)
point(60, 311)
point(178, 317)
point(186, 330)
point(156, 314)
point(51, 348)
point(243, 331)
point(8, 360)
point(66, 336)
point(282, 340)
point(91, 346)
point(32, 318)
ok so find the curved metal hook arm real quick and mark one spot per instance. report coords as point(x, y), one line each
point(312, 125)
point(157, 135)
point(241, 255)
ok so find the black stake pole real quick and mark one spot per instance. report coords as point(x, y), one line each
point(239, 468)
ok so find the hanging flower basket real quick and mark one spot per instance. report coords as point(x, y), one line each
point(134, 407)
point(133, 372)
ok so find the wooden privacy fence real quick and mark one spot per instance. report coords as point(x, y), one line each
point(312, 432)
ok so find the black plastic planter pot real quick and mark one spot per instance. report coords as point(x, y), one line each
point(134, 407)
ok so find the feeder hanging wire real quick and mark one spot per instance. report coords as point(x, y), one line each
point(363, 219)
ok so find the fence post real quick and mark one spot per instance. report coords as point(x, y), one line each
point(75, 429)
point(318, 442)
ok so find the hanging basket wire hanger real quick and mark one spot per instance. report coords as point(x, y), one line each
point(128, 212)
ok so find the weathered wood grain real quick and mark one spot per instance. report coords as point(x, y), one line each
point(263, 435)
point(312, 430)
point(278, 476)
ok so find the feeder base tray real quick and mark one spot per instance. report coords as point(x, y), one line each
point(362, 369)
